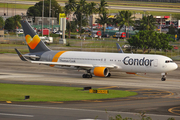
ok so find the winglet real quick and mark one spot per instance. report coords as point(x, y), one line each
point(119, 48)
point(20, 55)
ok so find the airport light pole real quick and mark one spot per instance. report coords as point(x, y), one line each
point(15, 7)
point(4, 8)
point(49, 17)
point(7, 9)
point(42, 18)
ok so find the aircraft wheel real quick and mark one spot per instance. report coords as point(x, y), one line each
point(84, 76)
point(163, 78)
point(109, 75)
point(90, 76)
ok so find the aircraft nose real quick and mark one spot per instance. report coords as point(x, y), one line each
point(174, 66)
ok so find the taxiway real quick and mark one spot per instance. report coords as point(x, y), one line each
point(160, 100)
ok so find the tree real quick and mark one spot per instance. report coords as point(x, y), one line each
point(148, 23)
point(91, 10)
point(17, 20)
point(36, 10)
point(9, 24)
point(103, 20)
point(81, 14)
point(71, 26)
point(148, 39)
point(80, 20)
point(102, 7)
point(172, 30)
point(70, 6)
point(33, 11)
point(124, 18)
point(12, 23)
point(1, 23)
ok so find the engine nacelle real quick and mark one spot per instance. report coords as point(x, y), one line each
point(100, 71)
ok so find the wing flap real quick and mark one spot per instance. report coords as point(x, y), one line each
point(62, 63)
point(74, 64)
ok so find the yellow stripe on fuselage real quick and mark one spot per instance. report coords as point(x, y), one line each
point(56, 57)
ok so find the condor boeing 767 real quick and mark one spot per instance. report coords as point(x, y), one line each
point(94, 63)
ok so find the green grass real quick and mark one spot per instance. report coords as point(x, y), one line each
point(13, 51)
point(117, 3)
point(154, 13)
point(9, 48)
point(10, 45)
point(17, 6)
point(38, 93)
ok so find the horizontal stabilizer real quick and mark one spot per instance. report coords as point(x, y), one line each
point(20, 55)
point(31, 56)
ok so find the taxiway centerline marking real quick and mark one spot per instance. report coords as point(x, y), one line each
point(87, 110)
point(108, 87)
point(18, 115)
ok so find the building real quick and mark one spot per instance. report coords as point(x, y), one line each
point(46, 21)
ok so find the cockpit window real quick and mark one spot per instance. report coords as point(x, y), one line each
point(168, 61)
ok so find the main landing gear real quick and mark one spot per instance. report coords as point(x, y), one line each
point(87, 76)
point(163, 76)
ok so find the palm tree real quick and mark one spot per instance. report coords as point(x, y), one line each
point(147, 23)
point(17, 20)
point(91, 10)
point(124, 18)
point(103, 20)
point(70, 6)
point(102, 7)
point(80, 20)
point(80, 12)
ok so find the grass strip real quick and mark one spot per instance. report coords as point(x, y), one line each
point(13, 6)
point(43, 93)
point(154, 13)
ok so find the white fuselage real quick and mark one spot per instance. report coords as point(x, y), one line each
point(137, 63)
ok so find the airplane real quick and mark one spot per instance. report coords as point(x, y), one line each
point(99, 64)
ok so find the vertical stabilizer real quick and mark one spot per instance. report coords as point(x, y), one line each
point(32, 39)
point(119, 48)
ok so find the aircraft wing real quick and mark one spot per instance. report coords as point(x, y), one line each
point(74, 64)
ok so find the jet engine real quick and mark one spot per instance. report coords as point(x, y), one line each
point(100, 71)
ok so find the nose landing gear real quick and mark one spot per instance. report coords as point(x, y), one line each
point(163, 76)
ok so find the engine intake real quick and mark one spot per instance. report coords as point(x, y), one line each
point(100, 71)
